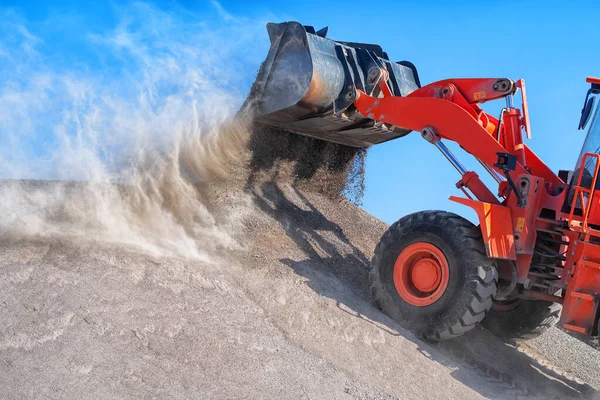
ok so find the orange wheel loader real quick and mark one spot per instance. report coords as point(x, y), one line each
point(536, 250)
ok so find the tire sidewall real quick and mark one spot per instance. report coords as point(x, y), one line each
point(450, 246)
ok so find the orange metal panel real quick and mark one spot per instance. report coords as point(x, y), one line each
point(496, 227)
point(581, 299)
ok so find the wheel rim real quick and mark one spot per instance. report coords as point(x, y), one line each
point(421, 274)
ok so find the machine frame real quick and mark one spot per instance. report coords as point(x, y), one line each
point(529, 210)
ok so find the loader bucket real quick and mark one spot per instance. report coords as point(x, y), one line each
point(307, 85)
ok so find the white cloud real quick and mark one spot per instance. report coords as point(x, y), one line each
point(222, 12)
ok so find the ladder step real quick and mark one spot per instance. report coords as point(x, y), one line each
point(542, 275)
point(590, 264)
point(583, 296)
point(582, 189)
point(575, 328)
point(593, 232)
point(557, 233)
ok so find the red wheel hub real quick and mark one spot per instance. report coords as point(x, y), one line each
point(421, 274)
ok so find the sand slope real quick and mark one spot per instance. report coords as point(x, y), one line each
point(287, 315)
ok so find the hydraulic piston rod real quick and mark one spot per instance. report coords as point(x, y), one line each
point(469, 179)
point(450, 157)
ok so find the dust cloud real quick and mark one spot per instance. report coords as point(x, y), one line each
point(158, 208)
point(116, 148)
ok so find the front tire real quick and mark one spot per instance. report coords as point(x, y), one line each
point(431, 274)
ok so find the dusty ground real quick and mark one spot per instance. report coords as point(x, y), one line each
point(288, 315)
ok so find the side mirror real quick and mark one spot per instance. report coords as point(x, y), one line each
point(588, 105)
point(586, 111)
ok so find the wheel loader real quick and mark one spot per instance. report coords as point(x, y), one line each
point(534, 259)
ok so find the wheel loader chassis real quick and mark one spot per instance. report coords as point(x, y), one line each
point(530, 216)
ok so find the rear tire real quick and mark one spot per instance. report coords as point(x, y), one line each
point(471, 280)
point(528, 320)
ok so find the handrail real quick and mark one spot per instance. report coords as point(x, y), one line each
point(579, 191)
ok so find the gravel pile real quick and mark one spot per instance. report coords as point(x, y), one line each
point(570, 354)
point(275, 304)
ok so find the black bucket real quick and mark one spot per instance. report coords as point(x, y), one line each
point(308, 83)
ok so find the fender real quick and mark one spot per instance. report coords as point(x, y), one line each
point(496, 227)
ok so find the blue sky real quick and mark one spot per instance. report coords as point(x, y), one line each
point(116, 49)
